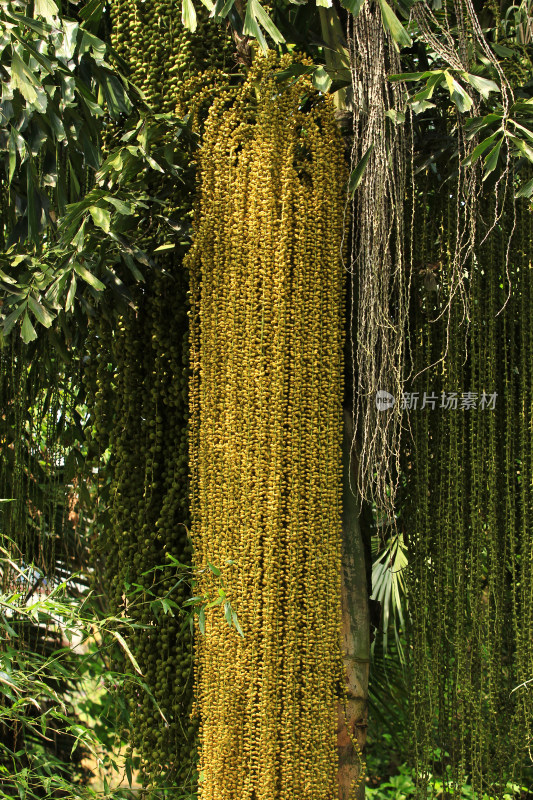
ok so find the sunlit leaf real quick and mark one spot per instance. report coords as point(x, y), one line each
point(393, 25)
point(188, 15)
point(46, 9)
point(483, 85)
point(101, 217)
point(41, 313)
point(88, 277)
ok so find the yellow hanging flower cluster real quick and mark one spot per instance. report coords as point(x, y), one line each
point(267, 291)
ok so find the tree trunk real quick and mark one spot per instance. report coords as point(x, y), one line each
point(355, 630)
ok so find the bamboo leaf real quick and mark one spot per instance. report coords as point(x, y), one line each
point(120, 639)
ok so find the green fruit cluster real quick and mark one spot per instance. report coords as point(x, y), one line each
point(139, 402)
point(469, 476)
point(137, 379)
point(160, 52)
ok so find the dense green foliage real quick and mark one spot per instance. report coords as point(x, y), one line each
point(97, 187)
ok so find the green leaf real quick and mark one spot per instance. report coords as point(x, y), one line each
point(492, 159)
point(422, 105)
point(482, 85)
point(123, 208)
point(88, 277)
point(255, 16)
point(188, 15)
point(92, 12)
point(503, 52)
point(116, 98)
point(357, 173)
point(457, 93)
point(227, 612)
point(516, 124)
point(127, 767)
point(71, 292)
point(12, 156)
point(237, 624)
point(267, 23)
point(480, 149)
point(41, 313)
point(23, 79)
point(79, 239)
point(526, 190)
point(393, 25)
point(353, 6)
point(153, 163)
point(46, 9)
point(120, 639)
point(101, 217)
point(4, 678)
point(27, 331)
point(164, 247)
point(397, 117)
point(42, 29)
point(92, 45)
point(434, 80)
point(406, 77)
point(11, 319)
point(523, 147)
point(321, 79)
point(214, 570)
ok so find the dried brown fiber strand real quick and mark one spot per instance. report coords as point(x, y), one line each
point(378, 272)
point(267, 309)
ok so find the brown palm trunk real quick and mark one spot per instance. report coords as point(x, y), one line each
point(355, 631)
